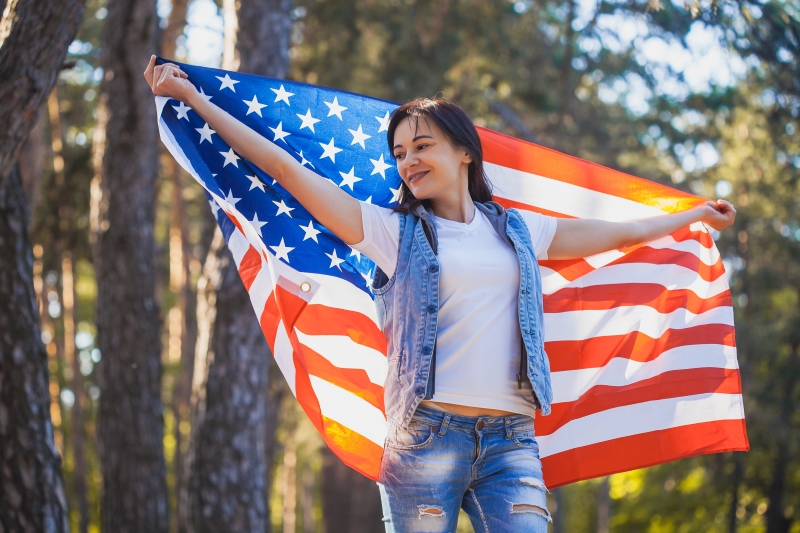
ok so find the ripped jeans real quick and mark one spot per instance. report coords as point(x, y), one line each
point(488, 465)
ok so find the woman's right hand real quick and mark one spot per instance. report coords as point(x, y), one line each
point(168, 80)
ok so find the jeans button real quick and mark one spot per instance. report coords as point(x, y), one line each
point(481, 424)
point(426, 350)
point(418, 391)
point(434, 268)
point(431, 308)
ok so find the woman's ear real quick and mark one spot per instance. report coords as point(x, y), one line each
point(467, 158)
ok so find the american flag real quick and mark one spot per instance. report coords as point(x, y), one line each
point(641, 340)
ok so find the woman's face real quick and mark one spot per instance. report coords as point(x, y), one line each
point(431, 167)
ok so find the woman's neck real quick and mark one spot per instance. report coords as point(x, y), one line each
point(460, 209)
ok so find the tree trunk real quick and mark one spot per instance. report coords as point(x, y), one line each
point(224, 485)
point(351, 503)
point(227, 481)
point(130, 431)
point(34, 36)
point(31, 488)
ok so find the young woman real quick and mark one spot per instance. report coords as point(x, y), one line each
point(458, 294)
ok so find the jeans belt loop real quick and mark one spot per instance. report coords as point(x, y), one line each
point(509, 433)
point(445, 423)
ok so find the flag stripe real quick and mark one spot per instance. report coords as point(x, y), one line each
point(569, 386)
point(641, 418)
point(636, 346)
point(667, 385)
point(601, 297)
point(643, 450)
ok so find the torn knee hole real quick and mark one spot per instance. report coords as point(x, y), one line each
point(431, 510)
point(517, 508)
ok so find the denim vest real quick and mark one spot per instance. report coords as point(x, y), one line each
point(407, 307)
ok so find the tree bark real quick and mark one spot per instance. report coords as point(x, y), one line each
point(226, 479)
point(31, 488)
point(125, 158)
point(225, 483)
point(34, 36)
point(351, 503)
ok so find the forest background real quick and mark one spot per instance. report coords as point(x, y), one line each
point(128, 342)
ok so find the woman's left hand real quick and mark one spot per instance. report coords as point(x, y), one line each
point(719, 215)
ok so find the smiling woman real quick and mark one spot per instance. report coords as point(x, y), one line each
point(458, 296)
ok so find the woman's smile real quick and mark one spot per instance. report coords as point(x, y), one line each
point(416, 176)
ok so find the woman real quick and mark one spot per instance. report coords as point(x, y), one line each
point(458, 295)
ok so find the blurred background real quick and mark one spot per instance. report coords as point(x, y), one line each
point(703, 96)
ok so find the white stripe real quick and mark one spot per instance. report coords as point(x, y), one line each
point(709, 256)
point(570, 385)
point(284, 356)
point(349, 410)
point(586, 324)
point(565, 198)
point(672, 277)
point(342, 352)
point(339, 293)
point(641, 418)
point(261, 289)
point(238, 245)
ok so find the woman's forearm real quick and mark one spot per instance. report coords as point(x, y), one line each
point(244, 140)
point(577, 238)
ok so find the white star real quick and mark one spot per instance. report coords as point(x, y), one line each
point(255, 182)
point(283, 208)
point(279, 133)
point(368, 278)
point(214, 207)
point(305, 161)
point(204, 95)
point(282, 94)
point(254, 107)
point(182, 110)
point(349, 179)
point(257, 224)
point(355, 253)
point(205, 133)
point(334, 108)
point(330, 151)
point(359, 137)
point(380, 166)
point(335, 260)
point(311, 232)
point(282, 251)
point(308, 121)
point(395, 194)
point(230, 157)
point(384, 122)
point(368, 200)
point(230, 199)
point(227, 83)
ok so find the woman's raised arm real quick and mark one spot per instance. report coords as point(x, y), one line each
point(334, 208)
point(576, 238)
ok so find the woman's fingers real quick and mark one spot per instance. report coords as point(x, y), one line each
point(148, 72)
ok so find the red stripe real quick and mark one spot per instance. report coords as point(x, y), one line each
point(667, 256)
point(354, 380)
point(606, 297)
point(508, 204)
point(520, 155)
point(667, 385)
point(636, 346)
point(270, 318)
point(305, 394)
point(249, 267)
point(322, 320)
point(640, 451)
point(235, 223)
point(356, 451)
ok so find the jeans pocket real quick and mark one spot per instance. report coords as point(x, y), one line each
point(416, 437)
point(525, 439)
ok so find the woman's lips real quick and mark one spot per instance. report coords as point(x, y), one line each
point(418, 176)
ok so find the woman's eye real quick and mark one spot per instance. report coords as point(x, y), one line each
point(422, 146)
point(398, 156)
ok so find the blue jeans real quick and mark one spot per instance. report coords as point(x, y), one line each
point(489, 466)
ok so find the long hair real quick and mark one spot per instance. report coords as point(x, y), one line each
point(459, 131)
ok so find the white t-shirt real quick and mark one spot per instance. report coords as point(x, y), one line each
point(478, 341)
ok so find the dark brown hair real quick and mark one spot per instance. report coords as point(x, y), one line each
point(459, 131)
